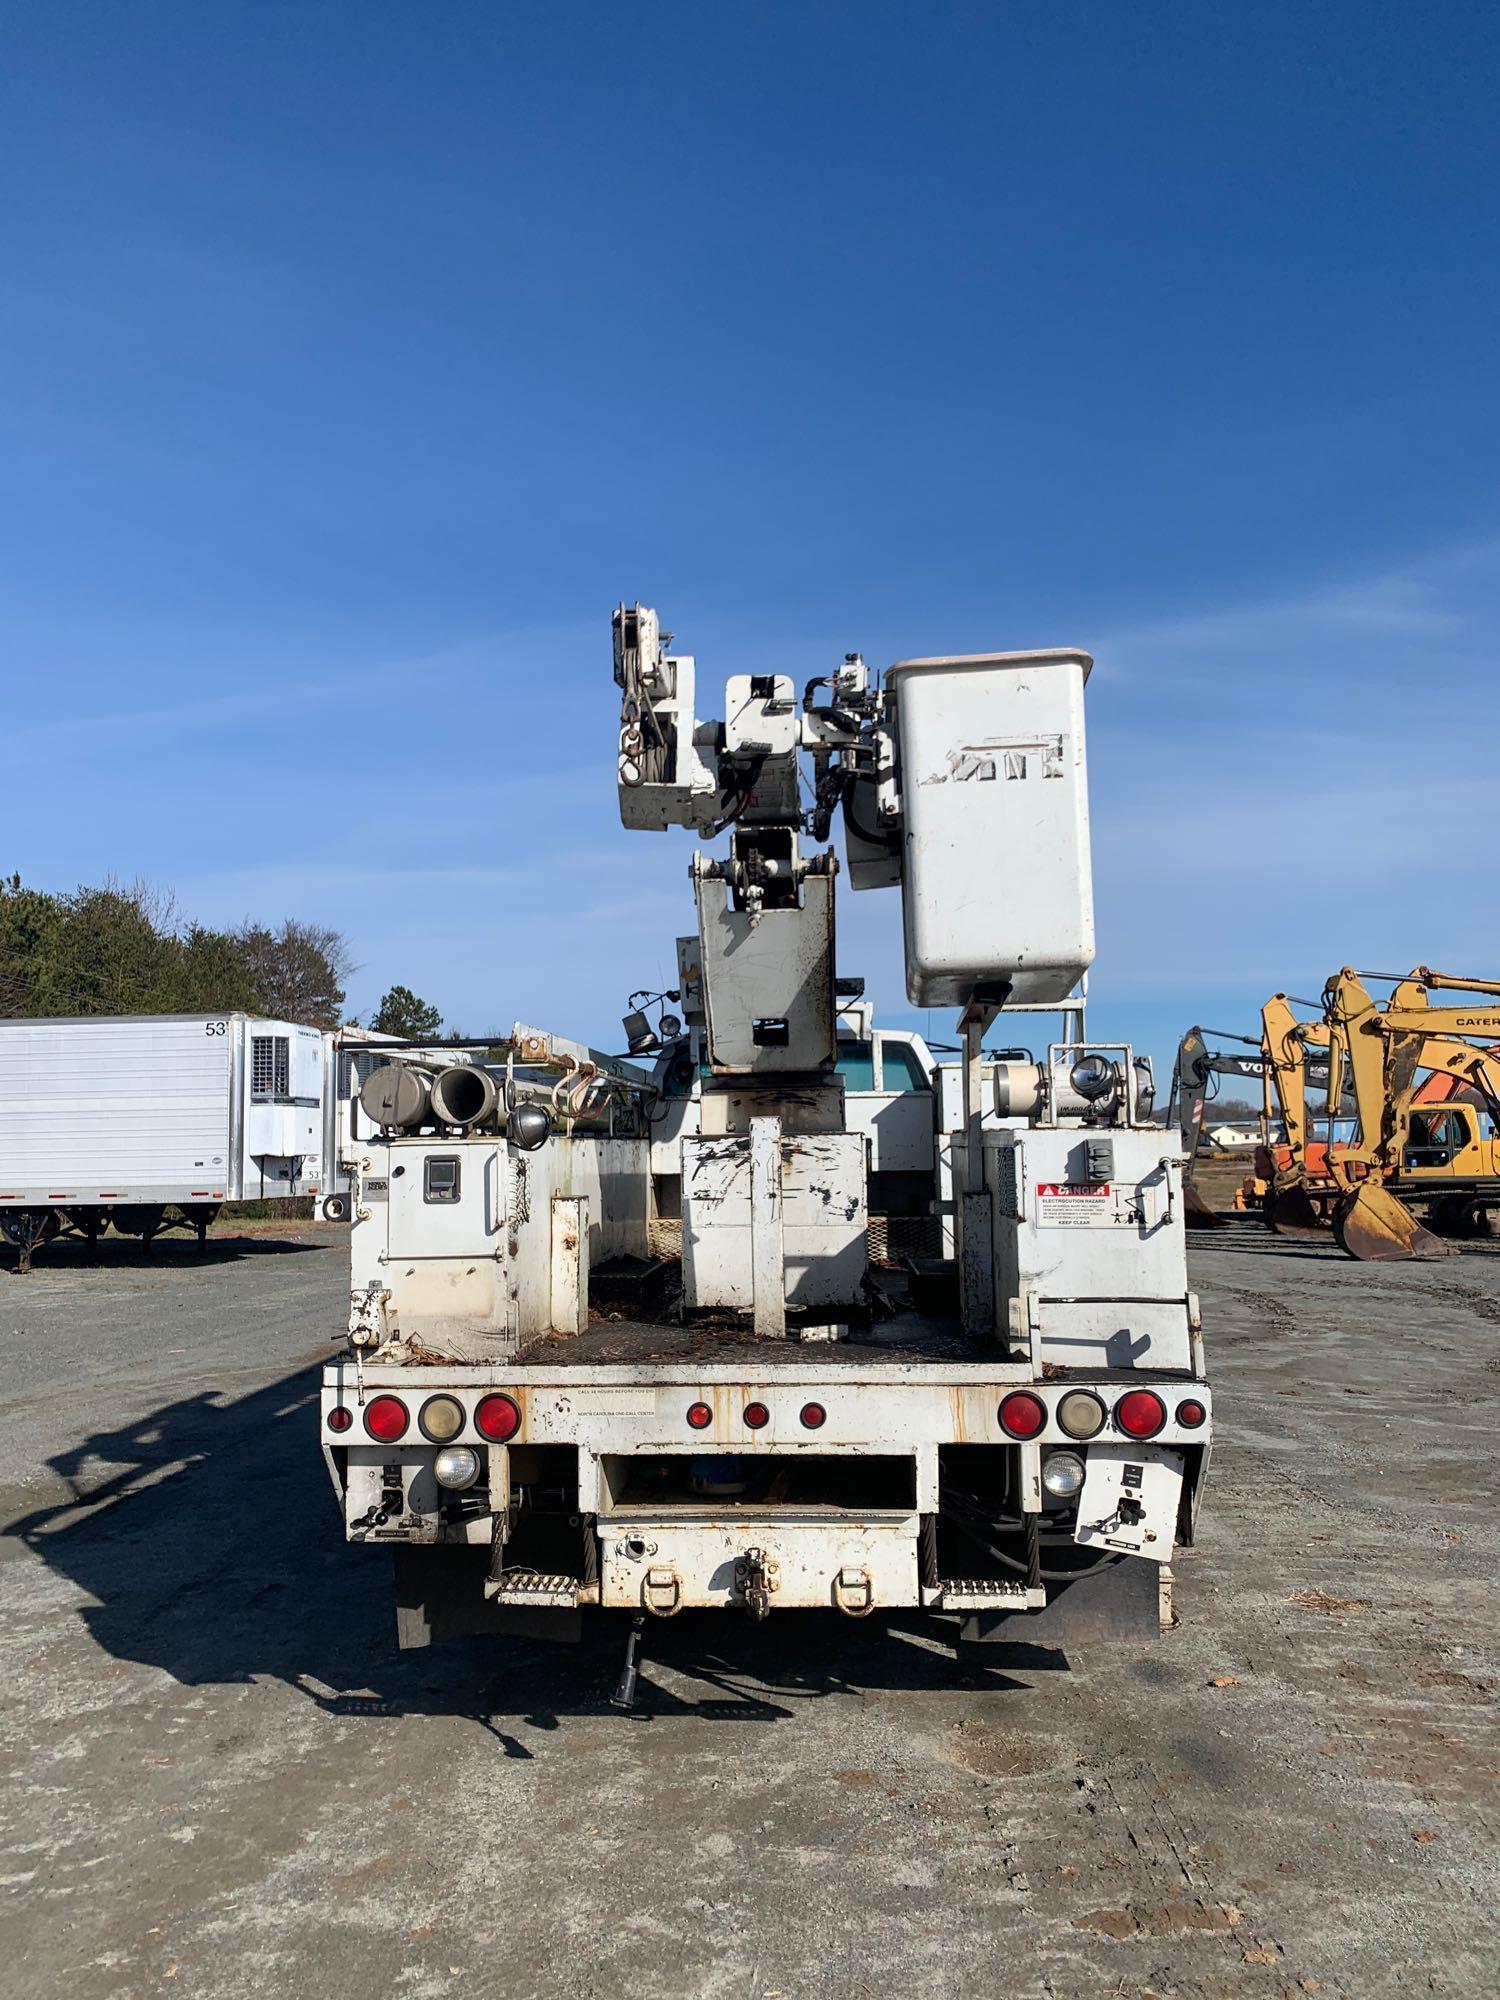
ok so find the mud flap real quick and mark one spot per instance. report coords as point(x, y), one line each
point(1378, 1229)
point(1120, 1600)
point(440, 1595)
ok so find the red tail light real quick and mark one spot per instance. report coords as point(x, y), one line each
point(700, 1416)
point(1023, 1415)
point(757, 1416)
point(1140, 1414)
point(497, 1418)
point(814, 1416)
point(386, 1419)
point(1190, 1415)
point(339, 1418)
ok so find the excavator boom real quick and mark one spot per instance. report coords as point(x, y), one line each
point(1383, 1050)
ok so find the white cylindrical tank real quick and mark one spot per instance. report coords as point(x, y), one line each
point(996, 891)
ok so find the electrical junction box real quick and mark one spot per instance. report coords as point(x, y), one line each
point(996, 889)
point(1098, 1268)
point(1130, 1498)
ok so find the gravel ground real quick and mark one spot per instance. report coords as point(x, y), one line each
point(221, 1779)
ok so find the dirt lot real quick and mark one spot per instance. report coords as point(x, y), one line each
point(222, 1780)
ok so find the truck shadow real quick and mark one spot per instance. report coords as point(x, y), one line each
point(167, 1253)
point(207, 1544)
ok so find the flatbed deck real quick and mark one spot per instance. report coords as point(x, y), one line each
point(905, 1338)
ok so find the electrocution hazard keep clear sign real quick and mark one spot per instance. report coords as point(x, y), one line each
point(1075, 1204)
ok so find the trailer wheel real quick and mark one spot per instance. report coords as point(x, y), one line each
point(90, 1223)
point(201, 1215)
point(138, 1220)
point(336, 1208)
point(27, 1229)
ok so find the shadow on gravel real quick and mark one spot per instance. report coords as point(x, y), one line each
point(211, 1539)
point(167, 1253)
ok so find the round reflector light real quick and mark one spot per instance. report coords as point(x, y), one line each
point(1191, 1415)
point(386, 1419)
point(700, 1416)
point(340, 1418)
point(1140, 1414)
point(441, 1418)
point(1080, 1414)
point(1023, 1415)
point(814, 1416)
point(757, 1416)
point(497, 1418)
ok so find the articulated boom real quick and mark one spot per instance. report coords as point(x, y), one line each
point(757, 1423)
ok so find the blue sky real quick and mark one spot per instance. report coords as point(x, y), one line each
point(359, 358)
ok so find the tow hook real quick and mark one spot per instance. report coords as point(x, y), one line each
point(661, 1592)
point(755, 1578)
point(853, 1593)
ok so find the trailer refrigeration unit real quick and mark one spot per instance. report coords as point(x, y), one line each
point(118, 1119)
point(784, 1434)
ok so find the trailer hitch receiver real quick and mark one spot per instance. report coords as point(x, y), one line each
point(754, 1579)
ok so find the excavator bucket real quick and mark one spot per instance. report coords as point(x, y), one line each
point(1196, 1213)
point(1293, 1212)
point(1378, 1229)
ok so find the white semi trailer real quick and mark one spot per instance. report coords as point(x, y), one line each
point(782, 1436)
point(117, 1120)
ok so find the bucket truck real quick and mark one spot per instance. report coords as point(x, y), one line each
point(782, 1433)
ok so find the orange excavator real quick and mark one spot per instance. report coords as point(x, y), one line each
point(1426, 1086)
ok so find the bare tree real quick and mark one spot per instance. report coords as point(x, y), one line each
point(299, 970)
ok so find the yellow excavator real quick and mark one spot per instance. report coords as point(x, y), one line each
point(1445, 1155)
point(1301, 1193)
point(1289, 1187)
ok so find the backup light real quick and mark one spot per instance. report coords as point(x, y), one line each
point(1140, 1413)
point(386, 1419)
point(1062, 1474)
point(497, 1418)
point(456, 1467)
point(1023, 1415)
point(1080, 1414)
point(441, 1418)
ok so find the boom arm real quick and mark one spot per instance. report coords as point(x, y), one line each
point(1284, 1042)
point(1385, 1047)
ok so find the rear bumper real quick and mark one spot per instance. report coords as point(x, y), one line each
point(615, 1438)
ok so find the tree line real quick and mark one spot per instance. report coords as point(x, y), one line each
point(127, 950)
point(124, 949)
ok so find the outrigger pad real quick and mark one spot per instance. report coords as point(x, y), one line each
point(1123, 1601)
point(440, 1595)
